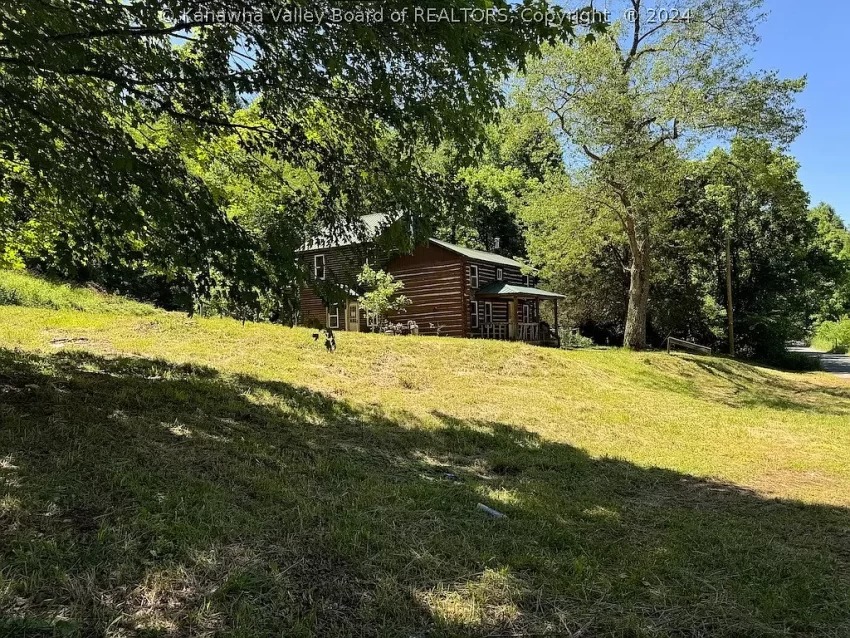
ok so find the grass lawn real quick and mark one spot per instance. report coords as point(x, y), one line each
point(165, 476)
point(20, 289)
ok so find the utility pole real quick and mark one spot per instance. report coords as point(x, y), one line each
point(729, 316)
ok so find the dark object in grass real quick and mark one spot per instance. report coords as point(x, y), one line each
point(315, 336)
point(491, 511)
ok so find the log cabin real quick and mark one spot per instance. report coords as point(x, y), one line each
point(454, 291)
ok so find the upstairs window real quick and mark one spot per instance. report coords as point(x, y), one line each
point(499, 274)
point(526, 280)
point(473, 276)
point(319, 267)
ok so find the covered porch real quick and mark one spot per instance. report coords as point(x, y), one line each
point(522, 320)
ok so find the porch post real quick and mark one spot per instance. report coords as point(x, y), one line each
point(512, 312)
point(557, 329)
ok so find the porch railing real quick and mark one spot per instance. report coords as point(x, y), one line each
point(502, 330)
point(495, 330)
point(529, 332)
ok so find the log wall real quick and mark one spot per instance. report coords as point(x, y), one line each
point(434, 282)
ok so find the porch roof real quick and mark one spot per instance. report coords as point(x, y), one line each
point(503, 289)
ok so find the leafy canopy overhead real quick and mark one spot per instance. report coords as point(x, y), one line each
point(81, 84)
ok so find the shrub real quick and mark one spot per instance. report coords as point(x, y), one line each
point(314, 323)
point(795, 362)
point(382, 295)
point(571, 339)
point(833, 336)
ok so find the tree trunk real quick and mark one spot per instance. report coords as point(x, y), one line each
point(635, 336)
point(730, 317)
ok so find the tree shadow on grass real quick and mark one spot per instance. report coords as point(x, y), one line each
point(139, 498)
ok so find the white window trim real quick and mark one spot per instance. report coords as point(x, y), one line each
point(371, 319)
point(526, 280)
point(473, 317)
point(488, 312)
point(473, 279)
point(316, 266)
point(500, 274)
point(335, 316)
point(527, 315)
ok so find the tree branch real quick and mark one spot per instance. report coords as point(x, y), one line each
point(635, 36)
point(130, 32)
point(590, 154)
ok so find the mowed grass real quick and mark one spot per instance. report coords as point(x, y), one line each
point(166, 476)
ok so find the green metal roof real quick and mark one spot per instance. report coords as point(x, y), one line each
point(370, 226)
point(502, 289)
point(478, 255)
point(374, 223)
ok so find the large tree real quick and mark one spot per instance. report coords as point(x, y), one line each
point(580, 254)
point(655, 86)
point(831, 251)
point(81, 82)
point(745, 208)
point(480, 196)
point(741, 208)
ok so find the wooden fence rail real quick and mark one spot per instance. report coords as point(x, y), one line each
point(687, 345)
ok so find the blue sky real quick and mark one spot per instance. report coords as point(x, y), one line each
point(811, 38)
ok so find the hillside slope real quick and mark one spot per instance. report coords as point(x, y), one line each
point(169, 476)
point(23, 289)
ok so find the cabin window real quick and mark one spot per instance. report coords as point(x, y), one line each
point(473, 276)
point(526, 280)
point(473, 314)
point(499, 274)
point(527, 312)
point(371, 319)
point(333, 316)
point(319, 266)
point(488, 312)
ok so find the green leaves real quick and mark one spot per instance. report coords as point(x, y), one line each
point(751, 194)
point(382, 293)
point(88, 90)
point(631, 104)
